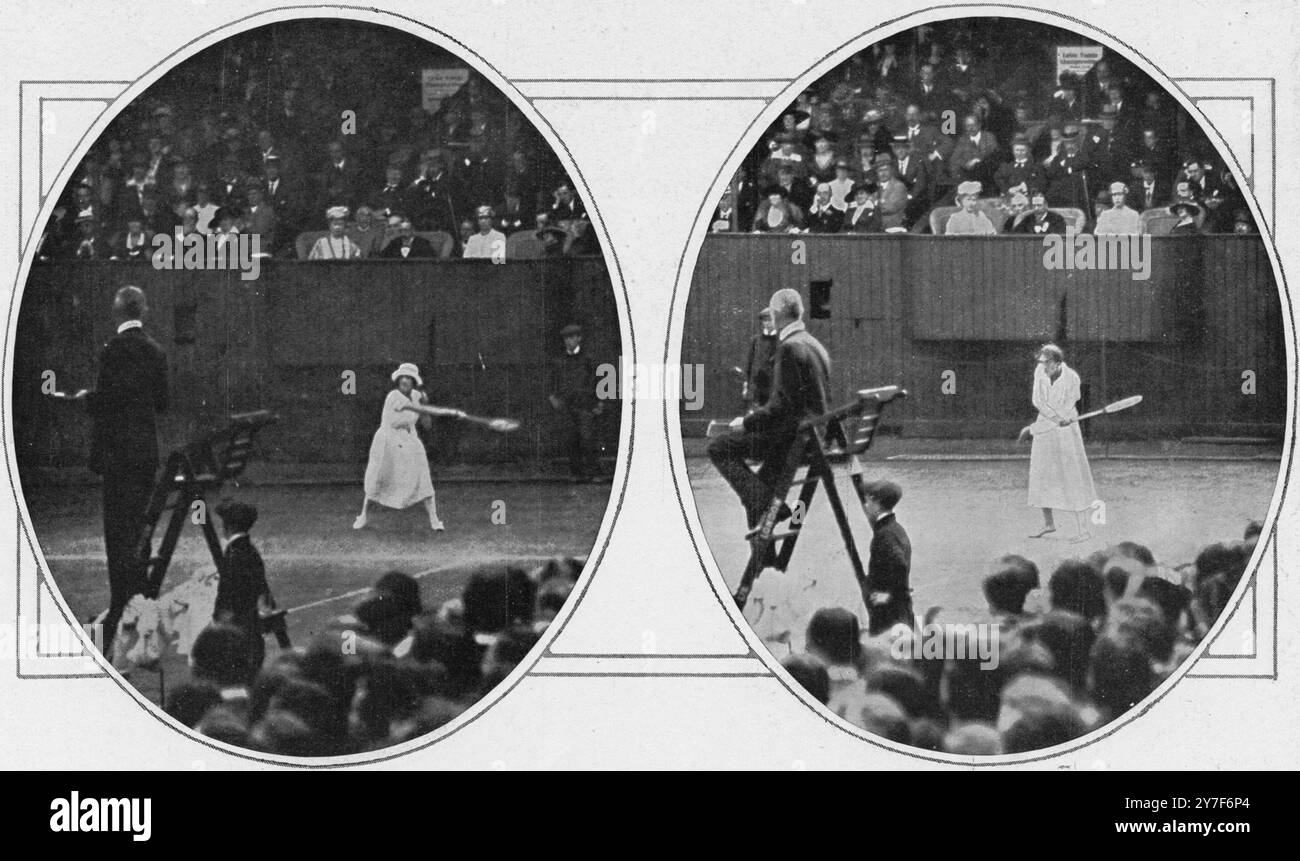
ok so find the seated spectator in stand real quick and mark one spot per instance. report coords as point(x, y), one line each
point(260, 217)
point(134, 242)
point(875, 130)
point(405, 244)
point(178, 194)
point(366, 233)
point(1149, 191)
point(784, 156)
point(970, 220)
point(88, 245)
point(862, 215)
point(891, 196)
point(842, 184)
point(336, 245)
point(1119, 220)
point(972, 157)
point(155, 217)
point(1039, 219)
point(1186, 212)
point(467, 228)
point(488, 243)
point(205, 209)
point(776, 214)
point(798, 193)
point(823, 216)
point(725, 217)
point(1243, 223)
point(1021, 170)
point(566, 206)
point(392, 199)
point(821, 165)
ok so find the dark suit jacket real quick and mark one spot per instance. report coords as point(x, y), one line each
point(1009, 176)
point(891, 559)
point(420, 247)
point(263, 222)
point(827, 220)
point(1160, 195)
point(800, 380)
point(1053, 223)
point(242, 582)
point(130, 391)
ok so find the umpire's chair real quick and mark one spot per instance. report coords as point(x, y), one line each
point(841, 434)
point(191, 474)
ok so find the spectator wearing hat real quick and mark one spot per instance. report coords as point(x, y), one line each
point(842, 184)
point(488, 243)
point(242, 591)
point(777, 213)
point(972, 157)
point(1186, 212)
point(1066, 104)
point(875, 130)
point(88, 244)
point(259, 218)
point(891, 195)
point(573, 395)
point(886, 590)
point(1021, 170)
point(335, 245)
point(1039, 220)
point(1119, 220)
point(405, 244)
point(862, 215)
point(134, 243)
point(725, 217)
point(970, 220)
point(823, 216)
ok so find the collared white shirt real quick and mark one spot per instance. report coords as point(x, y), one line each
point(130, 324)
point(238, 535)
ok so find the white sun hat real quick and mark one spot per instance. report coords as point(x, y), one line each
point(408, 369)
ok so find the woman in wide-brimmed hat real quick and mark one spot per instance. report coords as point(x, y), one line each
point(397, 475)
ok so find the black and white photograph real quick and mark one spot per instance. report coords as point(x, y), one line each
point(906, 389)
point(305, 399)
point(995, 386)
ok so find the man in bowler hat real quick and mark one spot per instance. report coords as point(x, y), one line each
point(574, 394)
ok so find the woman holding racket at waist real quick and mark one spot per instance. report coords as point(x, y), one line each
point(397, 475)
point(1059, 476)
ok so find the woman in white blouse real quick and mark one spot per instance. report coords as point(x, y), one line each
point(336, 245)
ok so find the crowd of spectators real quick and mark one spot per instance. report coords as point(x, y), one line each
point(318, 127)
point(385, 673)
point(972, 114)
point(1112, 628)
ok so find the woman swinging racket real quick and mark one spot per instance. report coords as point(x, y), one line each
point(1059, 476)
point(397, 475)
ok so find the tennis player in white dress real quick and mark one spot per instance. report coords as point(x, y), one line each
point(397, 475)
point(1059, 475)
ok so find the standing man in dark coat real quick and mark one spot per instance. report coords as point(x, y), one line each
point(801, 377)
point(573, 393)
point(242, 592)
point(130, 391)
point(886, 590)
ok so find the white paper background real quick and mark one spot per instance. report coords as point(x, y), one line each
point(649, 159)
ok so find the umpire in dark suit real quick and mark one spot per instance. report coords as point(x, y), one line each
point(801, 377)
point(886, 590)
point(130, 391)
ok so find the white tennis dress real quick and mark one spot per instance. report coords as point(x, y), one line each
point(398, 472)
point(1059, 475)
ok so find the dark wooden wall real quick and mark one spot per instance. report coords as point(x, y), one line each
point(905, 309)
point(482, 334)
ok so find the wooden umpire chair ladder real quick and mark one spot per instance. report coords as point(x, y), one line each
point(820, 441)
point(192, 474)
